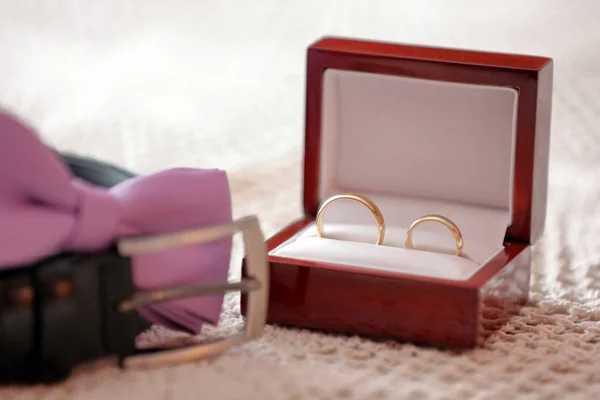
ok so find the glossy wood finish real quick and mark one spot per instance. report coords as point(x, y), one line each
point(400, 306)
point(531, 76)
point(393, 305)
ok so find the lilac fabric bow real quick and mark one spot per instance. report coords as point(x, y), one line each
point(44, 210)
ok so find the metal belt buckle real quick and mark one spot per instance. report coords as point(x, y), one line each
point(256, 285)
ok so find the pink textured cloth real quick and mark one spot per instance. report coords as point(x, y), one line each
point(45, 211)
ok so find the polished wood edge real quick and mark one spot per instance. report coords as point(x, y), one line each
point(431, 53)
point(541, 164)
point(287, 232)
point(298, 288)
point(313, 298)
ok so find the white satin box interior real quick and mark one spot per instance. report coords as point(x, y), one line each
point(414, 147)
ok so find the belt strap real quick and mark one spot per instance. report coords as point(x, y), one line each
point(63, 312)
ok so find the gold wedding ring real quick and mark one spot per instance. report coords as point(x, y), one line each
point(362, 200)
point(447, 222)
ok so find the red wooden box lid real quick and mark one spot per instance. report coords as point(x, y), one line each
point(531, 77)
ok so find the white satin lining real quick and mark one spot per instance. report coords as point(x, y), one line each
point(360, 256)
point(414, 147)
point(402, 136)
point(350, 233)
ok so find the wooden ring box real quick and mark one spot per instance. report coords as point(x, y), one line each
point(418, 130)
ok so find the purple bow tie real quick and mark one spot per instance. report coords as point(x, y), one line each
point(45, 211)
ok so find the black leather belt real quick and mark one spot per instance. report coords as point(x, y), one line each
point(72, 309)
point(62, 311)
point(96, 172)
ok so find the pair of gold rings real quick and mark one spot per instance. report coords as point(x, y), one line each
point(408, 242)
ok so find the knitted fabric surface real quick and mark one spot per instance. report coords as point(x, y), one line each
point(151, 85)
